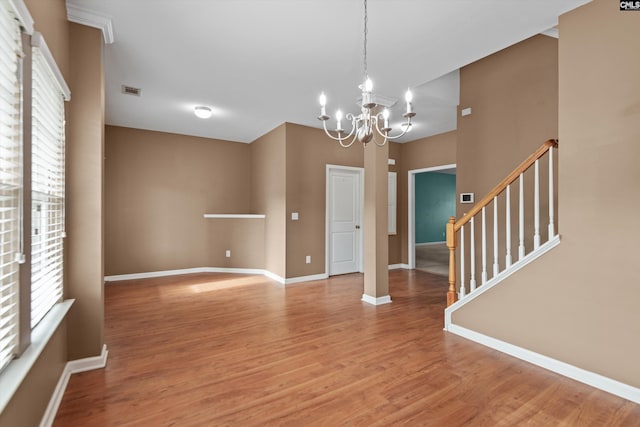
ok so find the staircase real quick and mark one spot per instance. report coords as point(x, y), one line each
point(508, 244)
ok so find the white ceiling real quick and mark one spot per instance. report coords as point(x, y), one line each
point(259, 63)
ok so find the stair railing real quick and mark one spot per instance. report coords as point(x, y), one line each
point(458, 226)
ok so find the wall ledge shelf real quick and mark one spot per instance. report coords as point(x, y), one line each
point(245, 216)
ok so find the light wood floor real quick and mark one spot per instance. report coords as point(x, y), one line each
point(433, 258)
point(209, 350)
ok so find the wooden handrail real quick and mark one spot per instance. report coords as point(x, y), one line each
point(454, 225)
point(503, 184)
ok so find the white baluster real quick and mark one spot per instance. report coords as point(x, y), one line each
point(521, 214)
point(552, 231)
point(472, 259)
point(484, 246)
point(508, 231)
point(462, 289)
point(536, 207)
point(496, 266)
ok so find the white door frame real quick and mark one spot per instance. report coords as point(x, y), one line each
point(411, 179)
point(327, 214)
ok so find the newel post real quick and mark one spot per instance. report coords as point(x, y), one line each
point(452, 296)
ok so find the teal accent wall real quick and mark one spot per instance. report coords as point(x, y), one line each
point(435, 203)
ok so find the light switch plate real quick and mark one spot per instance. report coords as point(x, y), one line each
point(294, 216)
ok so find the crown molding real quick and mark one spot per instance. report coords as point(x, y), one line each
point(552, 32)
point(90, 18)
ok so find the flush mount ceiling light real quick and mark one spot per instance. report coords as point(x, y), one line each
point(202, 112)
point(365, 125)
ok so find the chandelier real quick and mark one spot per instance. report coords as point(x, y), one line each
point(370, 124)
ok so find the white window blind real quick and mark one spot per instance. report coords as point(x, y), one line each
point(48, 187)
point(10, 181)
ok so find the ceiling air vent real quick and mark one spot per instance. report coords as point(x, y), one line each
point(129, 90)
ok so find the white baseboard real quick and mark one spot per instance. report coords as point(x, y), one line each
point(430, 243)
point(265, 273)
point(376, 301)
point(89, 363)
point(151, 274)
point(398, 266)
point(587, 377)
point(72, 367)
point(301, 279)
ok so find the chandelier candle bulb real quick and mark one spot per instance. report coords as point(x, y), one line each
point(408, 97)
point(368, 85)
point(385, 115)
point(339, 120)
point(323, 104)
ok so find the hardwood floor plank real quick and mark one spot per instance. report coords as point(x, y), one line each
point(238, 350)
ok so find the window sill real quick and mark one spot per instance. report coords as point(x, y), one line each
point(14, 374)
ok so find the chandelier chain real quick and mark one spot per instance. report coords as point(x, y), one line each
point(366, 31)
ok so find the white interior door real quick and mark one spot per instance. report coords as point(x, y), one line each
point(344, 220)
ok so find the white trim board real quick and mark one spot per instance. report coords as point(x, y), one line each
point(236, 216)
point(301, 279)
point(72, 367)
point(530, 257)
point(587, 377)
point(25, 18)
point(376, 301)
point(430, 243)
point(16, 371)
point(257, 271)
point(90, 18)
point(195, 270)
point(37, 40)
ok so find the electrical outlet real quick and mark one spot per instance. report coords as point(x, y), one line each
point(228, 253)
point(308, 259)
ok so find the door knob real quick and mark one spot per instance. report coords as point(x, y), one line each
point(357, 227)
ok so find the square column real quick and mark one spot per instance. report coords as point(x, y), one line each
point(376, 238)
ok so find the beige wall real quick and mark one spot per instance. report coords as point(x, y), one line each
point(268, 195)
point(437, 150)
point(309, 150)
point(578, 303)
point(514, 99)
point(159, 185)
point(395, 240)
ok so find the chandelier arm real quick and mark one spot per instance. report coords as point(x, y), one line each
point(375, 140)
point(343, 145)
point(387, 136)
point(338, 138)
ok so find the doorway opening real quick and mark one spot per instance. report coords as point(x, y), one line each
point(432, 199)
